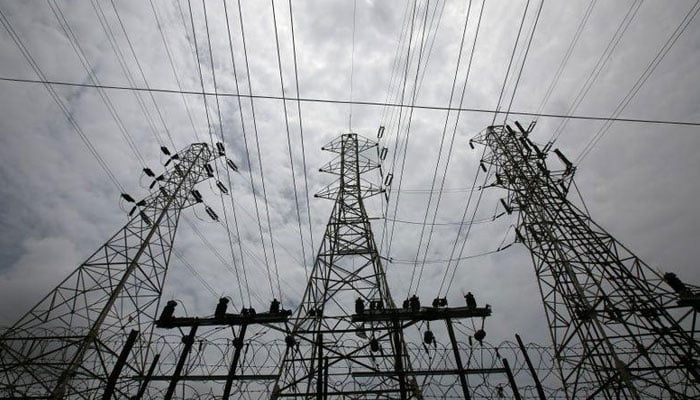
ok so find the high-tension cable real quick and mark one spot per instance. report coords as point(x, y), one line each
point(321, 100)
point(289, 146)
point(301, 128)
point(257, 144)
point(228, 175)
point(439, 157)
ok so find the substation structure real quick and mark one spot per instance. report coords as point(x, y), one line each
point(99, 334)
point(620, 330)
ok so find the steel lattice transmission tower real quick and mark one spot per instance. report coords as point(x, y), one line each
point(70, 342)
point(620, 329)
point(327, 354)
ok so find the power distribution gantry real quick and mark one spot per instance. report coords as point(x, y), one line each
point(620, 329)
point(93, 336)
point(98, 322)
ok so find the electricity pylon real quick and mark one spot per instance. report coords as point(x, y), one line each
point(329, 355)
point(620, 329)
point(78, 338)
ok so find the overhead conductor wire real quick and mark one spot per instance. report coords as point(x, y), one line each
point(172, 67)
point(409, 58)
point(301, 128)
point(408, 131)
point(522, 65)
point(454, 134)
point(113, 42)
point(194, 130)
point(142, 73)
point(437, 163)
point(127, 73)
point(319, 100)
point(567, 55)
point(89, 70)
point(289, 145)
point(257, 145)
point(211, 132)
point(396, 141)
point(690, 15)
point(111, 38)
point(257, 219)
point(486, 176)
point(599, 66)
point(93, 150)
point(352, 60)
point(57, 99)
point(395, 64)
point(228, 175)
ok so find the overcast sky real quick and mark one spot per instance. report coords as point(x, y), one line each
point(58, 205)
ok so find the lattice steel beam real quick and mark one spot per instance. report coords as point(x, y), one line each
point(67, 345)
point(619, 330)
point(347, 269)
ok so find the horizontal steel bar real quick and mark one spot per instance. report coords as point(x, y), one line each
point(471, 371)
point(228, 319)
point(207, 377)
point(424, 314)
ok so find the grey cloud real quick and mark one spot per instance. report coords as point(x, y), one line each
point(639, 181)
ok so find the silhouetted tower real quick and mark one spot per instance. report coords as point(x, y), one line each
point(70, 343)
point(619, 330)
point(327, 354)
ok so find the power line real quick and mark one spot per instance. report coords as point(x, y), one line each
point(600, 64)
point(143, 74)
point(200, 75)
point(440, 261)
point(57, 99)
point(522, 66)
point(221, 258)
point(289, 146)
point(439, 157)
point(510, 63)
point(90, 71)
point(257, 145)
point(228, 173)
point(357, 102)
point(414, 95)
point(466, 236)
point(402, 221)
point(245, 143)
point(567, 55)
point(448, 190)
point(434, 36)
point(301, 127)
point(102, 18)
point(487, 174)
point(194, 272)
point(397, 60)
point(391, 118)
point(172, 66)
point(352, 59)
point(454, 133)
point(690, 15)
